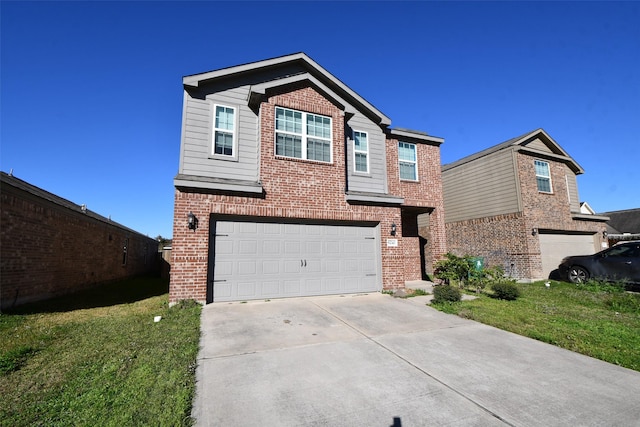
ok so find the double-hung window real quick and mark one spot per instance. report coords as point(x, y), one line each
point(407, 161)
point(303, 135)
point(360, 152)
point(543, 176)
point(224, 131)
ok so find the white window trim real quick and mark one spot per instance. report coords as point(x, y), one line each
point(355, 151)
point(415, 162)
point(543, 176)
point(304, 136)
point(234, 132)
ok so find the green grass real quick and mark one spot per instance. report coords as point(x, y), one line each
point(98, 358)
point(596, 319)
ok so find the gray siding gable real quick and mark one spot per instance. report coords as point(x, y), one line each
point(537, 142)
point(285, 66)
point(197, 139)
point(485, 187)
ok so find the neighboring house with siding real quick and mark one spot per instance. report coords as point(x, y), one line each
point(297, 186)
point(516, 204)
point(50, 246)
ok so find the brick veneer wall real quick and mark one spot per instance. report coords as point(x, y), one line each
point(501, 240)
point(298, 189)
point(49, 250)
point(507, 240)
point(548, 211)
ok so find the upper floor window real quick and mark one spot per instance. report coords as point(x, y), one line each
point(224, 131)
point(360, 152)
point(543, 176)
point(407, 161)
point(303, 135)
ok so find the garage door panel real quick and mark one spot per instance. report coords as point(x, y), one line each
point(554, 247)
point(332, 266)
point(247, 267)
point(223, 291)
point(268, 260)
point(247, 289)
point(291, 287)
point(313, 286)
point(247, 228)
point(271, 228)
point(313, 266)
point(269, 266)
point(291, 266)
point(271, 247)
point(270, 288)
point(224, 247)
point(313, 247)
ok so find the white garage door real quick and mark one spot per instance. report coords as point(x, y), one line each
point(256, 260)
point(554, 247)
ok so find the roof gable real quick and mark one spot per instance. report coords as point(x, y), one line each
point(537, 143)
point(317, 75)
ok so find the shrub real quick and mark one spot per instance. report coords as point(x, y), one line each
point(454, 268)
point(446, 293)
point(506, 290)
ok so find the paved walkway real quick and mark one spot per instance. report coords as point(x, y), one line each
point(375, 360)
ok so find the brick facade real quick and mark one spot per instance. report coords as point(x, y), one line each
point(48, 249)
point(295, 188)
point(507, 240)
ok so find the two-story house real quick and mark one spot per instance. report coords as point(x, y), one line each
point(292, 184)
point(516, 204)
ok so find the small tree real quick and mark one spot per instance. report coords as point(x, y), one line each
point(455, 270)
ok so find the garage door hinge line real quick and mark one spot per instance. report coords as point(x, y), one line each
point(493, 414)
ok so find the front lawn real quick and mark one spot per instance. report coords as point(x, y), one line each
point(98, 358)
point(594, 319)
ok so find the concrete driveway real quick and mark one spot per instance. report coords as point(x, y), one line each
point(375, 360)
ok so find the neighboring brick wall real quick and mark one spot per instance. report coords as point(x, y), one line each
point(49, 250)
point(507, 240)
point(501, 240)
point(299, 189)
point(548, 211)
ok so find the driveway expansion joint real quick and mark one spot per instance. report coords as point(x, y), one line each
point(414, 366)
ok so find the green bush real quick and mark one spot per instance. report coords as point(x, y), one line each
point(454, 269)
point(506, 290)
point(446, 293)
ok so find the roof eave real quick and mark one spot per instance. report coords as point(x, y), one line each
point(196, 80)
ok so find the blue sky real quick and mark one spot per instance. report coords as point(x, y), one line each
point(91, 92)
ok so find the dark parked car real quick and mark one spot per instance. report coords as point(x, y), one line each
point(619, 262)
